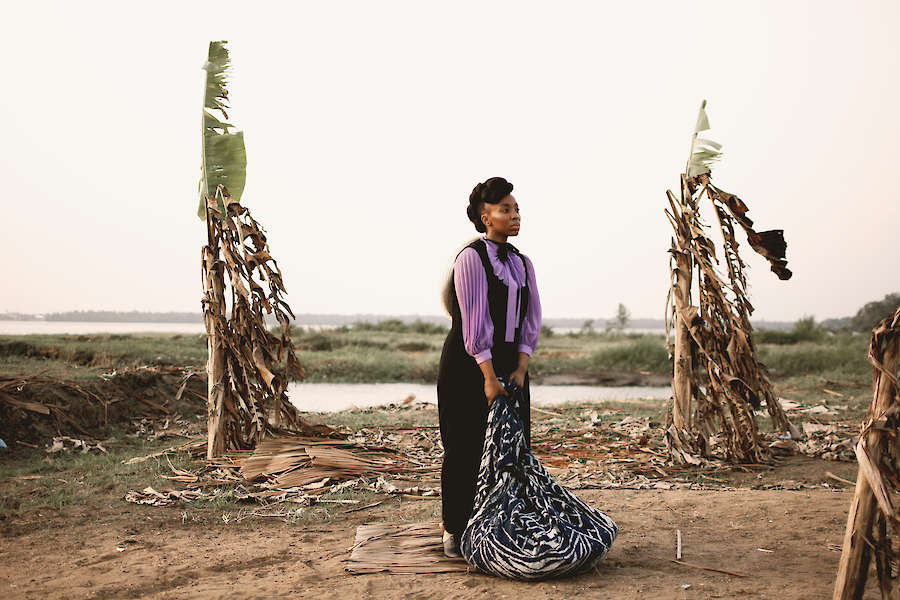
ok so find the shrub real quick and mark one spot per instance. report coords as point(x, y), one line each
point(635, 354)
point(398, 326)
point(320, 343)
point(844, 357)
point(872, 313)
point(413, 346)
point(805, 330)
point(774, 336)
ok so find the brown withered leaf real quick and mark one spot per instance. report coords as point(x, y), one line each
point(727, 379)
point(768, 244)
point(250, 400)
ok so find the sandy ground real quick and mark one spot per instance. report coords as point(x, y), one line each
point(128, 551)
point(787, 542)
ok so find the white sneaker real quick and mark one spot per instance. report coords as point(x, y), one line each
point(451, 547)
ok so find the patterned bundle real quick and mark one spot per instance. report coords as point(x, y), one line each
point(525, 525)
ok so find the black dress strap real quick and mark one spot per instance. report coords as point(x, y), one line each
point(480, 246)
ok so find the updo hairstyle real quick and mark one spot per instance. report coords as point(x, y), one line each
point(490, 191)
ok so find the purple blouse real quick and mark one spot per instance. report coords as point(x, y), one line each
point(471, 285)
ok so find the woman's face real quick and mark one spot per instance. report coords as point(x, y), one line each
point(503, 217)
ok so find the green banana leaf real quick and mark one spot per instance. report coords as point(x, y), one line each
point(224, 157)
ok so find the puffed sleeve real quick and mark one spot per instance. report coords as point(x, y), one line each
point(531, 326)
point(471, 291)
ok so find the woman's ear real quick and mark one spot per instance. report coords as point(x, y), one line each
point(484, 218)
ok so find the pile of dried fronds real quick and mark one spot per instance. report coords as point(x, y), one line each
point(295, 462)
point(58, 412)
point(873, 525)
point(248, 367)
point(287, 468)
point(717, 381)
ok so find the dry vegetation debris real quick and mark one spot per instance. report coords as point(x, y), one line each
point(401, 548)
point(718, 380)
point(58, 412)
point(582, 447)
point(67, 444)
point(249, 367)
point(873, 526)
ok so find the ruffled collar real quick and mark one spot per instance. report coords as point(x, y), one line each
point(503, 274)
point(503, 249)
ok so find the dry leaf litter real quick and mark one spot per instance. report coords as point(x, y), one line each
point(583, 448)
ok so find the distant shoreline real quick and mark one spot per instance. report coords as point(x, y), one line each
point(335, 320)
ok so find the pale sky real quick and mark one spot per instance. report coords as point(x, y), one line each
point(368, 123)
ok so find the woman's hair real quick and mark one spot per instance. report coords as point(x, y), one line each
point(447, 292)
point(490, 191)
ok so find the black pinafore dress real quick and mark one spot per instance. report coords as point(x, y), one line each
point(462, 405)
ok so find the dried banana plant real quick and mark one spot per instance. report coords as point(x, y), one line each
point(872, 524)
point(248, 366)
point(717, 380)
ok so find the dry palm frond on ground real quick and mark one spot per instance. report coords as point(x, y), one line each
point(406, 548)
point(295, 461)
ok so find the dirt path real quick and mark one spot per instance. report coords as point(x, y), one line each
point(169, 553)
point(98, 546)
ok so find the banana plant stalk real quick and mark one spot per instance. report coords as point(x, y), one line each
point(247, 397)
point(718, 381)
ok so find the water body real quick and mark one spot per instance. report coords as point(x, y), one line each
point(333, 397)
point(86, 327)
point(80, 327)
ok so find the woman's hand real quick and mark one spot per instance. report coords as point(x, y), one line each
point(492, 389)
point(518, 376)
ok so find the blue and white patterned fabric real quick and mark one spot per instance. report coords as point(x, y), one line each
point(524, 525)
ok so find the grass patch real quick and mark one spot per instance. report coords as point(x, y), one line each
point(644, 353)
point(360, 418)
point(392, 351)
point(348, 365)
point(99, 352)
point(838, 357)
point(325, 343)
point(855, 394)
point(655, 409)
point(601, 352)
point(414, 346)
point(32, 479)
point(397, 326)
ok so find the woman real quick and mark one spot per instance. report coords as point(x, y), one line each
point(493, 301)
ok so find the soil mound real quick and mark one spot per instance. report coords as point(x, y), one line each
point(33, 410)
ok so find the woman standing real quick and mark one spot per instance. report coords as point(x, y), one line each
point(493, 301)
